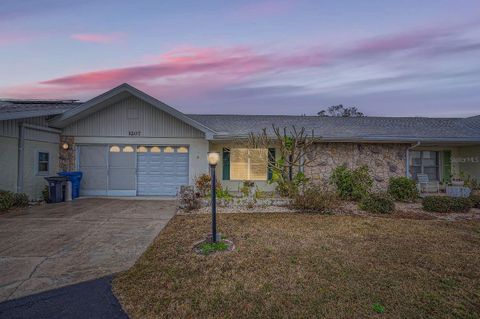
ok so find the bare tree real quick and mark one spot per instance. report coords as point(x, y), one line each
point(296, 151)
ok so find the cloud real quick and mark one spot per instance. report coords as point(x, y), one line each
point(188, 73)
point(98, 37)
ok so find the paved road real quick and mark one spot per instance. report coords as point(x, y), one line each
point(87, 300)
point(49, 246)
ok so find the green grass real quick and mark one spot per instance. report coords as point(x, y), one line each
point(207, 248)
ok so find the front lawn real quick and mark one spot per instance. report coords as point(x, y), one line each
point(299, 265)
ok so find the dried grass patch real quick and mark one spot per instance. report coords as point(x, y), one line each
point(306, 265)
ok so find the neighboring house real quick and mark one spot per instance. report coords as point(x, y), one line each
point(128, 143)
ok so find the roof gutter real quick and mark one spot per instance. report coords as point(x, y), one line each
point(407, 162)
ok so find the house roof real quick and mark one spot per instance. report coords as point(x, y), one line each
point(349, 128)
point(116, 94)
point(224, 126)
point(11, 109)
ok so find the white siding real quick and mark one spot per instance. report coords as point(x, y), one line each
point(131, 114)
point(9, 128)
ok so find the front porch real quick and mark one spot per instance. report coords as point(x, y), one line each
point(444, 169)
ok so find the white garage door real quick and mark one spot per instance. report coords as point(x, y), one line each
point(161, 170)
point(107, 170)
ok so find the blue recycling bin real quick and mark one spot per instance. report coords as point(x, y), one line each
point(74, 178)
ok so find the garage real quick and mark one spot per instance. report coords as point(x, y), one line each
point(133, 170)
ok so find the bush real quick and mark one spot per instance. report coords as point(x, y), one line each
point(20, 200)
point(203, 184)
point(380, 203)
point(475, 199)
point(315, 199)
point(45, 194)
point(188, 198)
point(352, 184)
point(444, 204)
point(6, 200)
point(402, 189)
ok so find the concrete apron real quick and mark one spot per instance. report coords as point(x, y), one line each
point(48, 246)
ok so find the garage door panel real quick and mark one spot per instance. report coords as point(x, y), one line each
point(122, 179)
point(161, 173)
point(94, 178)
point(93, 156)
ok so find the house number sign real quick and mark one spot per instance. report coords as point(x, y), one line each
point(134, 133)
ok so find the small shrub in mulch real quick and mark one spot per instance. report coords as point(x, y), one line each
point(403, 189)
point(352, 184)
point(315, 199)
point(379, 203)
point(445, 204)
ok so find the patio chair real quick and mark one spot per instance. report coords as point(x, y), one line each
point(426, 186)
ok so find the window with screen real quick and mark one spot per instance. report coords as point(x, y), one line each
point(248, 164)
point(424, 162)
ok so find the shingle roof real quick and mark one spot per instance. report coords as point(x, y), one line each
point(15, 109)
point(350, 128)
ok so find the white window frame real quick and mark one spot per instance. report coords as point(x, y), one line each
point(37, 163)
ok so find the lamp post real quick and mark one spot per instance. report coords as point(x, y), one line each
point(213, 158)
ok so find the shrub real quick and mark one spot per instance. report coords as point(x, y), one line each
point(6, 200)
point(315, 199)
point(189, 199)
point(224, 193)
point(379, 203)
point(203, 184)
point(444, 204)
point(20, 200)
point(402, 189)
point(475, 199)
point(45, 194)
point(352, 184)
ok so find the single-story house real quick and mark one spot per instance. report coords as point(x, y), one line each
point(128, 143)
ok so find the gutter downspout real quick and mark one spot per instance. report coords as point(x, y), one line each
point(408, 158)
point(20, 162)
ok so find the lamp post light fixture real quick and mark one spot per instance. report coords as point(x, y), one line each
point(213, 158)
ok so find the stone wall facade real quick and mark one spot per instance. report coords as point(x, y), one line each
point(383, 160)
point(67, 157)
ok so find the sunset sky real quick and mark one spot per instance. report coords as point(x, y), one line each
point(398, 58)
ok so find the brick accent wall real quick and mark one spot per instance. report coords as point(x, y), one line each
point(383, 160)
point(67, 157)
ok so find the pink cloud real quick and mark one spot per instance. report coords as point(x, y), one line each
point(97, 37)
point(194, 71)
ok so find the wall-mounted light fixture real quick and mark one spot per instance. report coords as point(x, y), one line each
point(65, 146)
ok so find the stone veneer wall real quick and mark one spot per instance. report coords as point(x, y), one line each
point(383, 160)
point(67, 157)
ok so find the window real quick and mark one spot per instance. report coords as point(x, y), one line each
point(128, 149)
point(424, 162)
point(114, 149)
point(168, 149)
point(155, 149)
point(142, 149)
point(182, 149)
point(248, 164)
point(43, 163)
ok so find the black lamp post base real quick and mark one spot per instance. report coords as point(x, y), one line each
point(219, 237)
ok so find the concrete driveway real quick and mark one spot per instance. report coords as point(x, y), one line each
point(49, 246)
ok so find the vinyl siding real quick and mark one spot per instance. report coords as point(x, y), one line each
point(116, 120)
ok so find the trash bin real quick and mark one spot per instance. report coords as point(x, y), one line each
point(74, 178)
point(56, 188)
